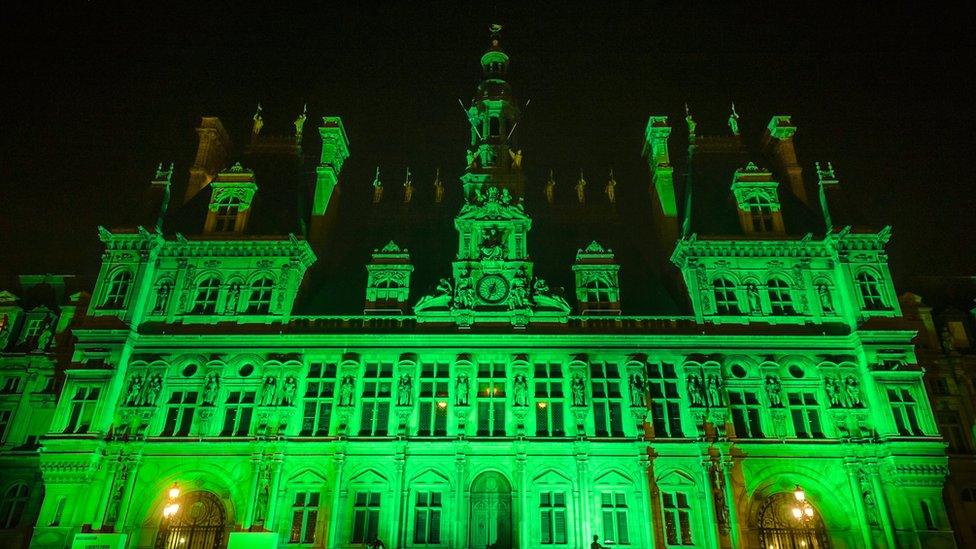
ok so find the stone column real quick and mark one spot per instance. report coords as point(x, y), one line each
point(882, 499)
point(249, 511)
point(338, 498)
point(584, 531)
point(852, 467)
point(523, 495)
point(275, 494)
point(461, 499)
point(135, 461)
point(705, 494)
point(104, 494)
point(644, 463)
point(400, 493)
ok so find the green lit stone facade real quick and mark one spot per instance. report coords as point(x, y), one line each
point(492, 410)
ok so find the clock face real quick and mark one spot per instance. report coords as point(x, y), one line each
point(492, 288)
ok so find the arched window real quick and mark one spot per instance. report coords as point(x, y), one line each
point(761, 212)
point(870, 288)
point(597, 292)
point(206, 299)
point(388, 290)
point(12, 506)
point(726, 302)
point(780, 297)
point(118, 290)
point(259, 302)
point(225, 218)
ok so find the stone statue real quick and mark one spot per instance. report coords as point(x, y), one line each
point(540, 286)
point(516, 159)
point(578, 388)
point(853, 388)
point(506, 197)
point(550, 189)
point(153, 388)
point(948, 342)
point(491, 245)
point(162, 298)
point(258, 121)
point(826, 303)
point(405, 390)
point(264, 488)
point(377, 187)
point(464, 293)
point(289, 391)
point(300, 123)
point(734, 121)
point(518, 295)
point(696, 393)
point(44, 339)
point(714, 391)
point(610, 189)
point(438, 188)
point(832, 388)
point(134, 391)
point(233, 293)
point(210, 389)
point(345, 391)
point(581, 189)
point(461, 390)
point(470, 157)
point(690, 122)
point(269, 391)
point(637, 397)
point(752, 292)
point(519, 387)
point(774, 391)
point(407, 189)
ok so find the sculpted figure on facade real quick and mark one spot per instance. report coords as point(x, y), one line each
point(405, 390)
point(637, 387)
point(581, 189)
point(696, 392)
point(518, 295)
point(162, 298)
point(377, 187)
point(153, 388)
point(774, 391)
point(210, 389)
point(438, 188)
point(516, 159)
point(714, 391)
point(853, 387)
point(346, 391)
point(464, 292)
point(550, 188)
point(578, 388)
point(519, 388)
point(289, 391)
point(611, 189)
point(948, 342)
point(752, 294)
point(407, 188)
point(44, 339)
point(134, 391)
point(233, 295)
point(300, 123)
point(826, 302)
point(269, 391)
point(491, 246)
point(461, 388)
point(833, 390)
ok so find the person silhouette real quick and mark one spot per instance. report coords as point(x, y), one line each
point(596, 543)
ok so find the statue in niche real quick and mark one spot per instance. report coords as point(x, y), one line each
point(233, 294)
point(153, 388)
point(134, 391)
point(438, 188)
point(461, 390)
point(734, 121)
point(377, 187)
point(162, 298)
point(610, 189)
point(269, 391)
point(300, 123)
point(720, 504)
point(581, 189)
point(210, 389)
point(516, 159)
point(520, 386)
point(491, 244)
point(346, 390)
point(407, 189)
point(774, 391)
point(118, 491)
point(289, 391)
point(405, 390)
point(714, 391)
point(258, 121)
point(264, 489)
point(948, 342)
point(853, 388)
point(833, 390)
point(752, 293)
point(550, 189)
point(696, 392)
point(578, 388)
point(826, 303)
point(637, 397)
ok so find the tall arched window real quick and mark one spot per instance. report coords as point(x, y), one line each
point(225, 218)
point(118, 290)
point(597, 292)
point(388, 290)
point(12, 506)
point(206, 298)
point(726, 302)
point(780, 297)
point(870, 288)
point(761, 212)
point(259, 302)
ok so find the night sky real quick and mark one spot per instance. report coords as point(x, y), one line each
point(95, 95)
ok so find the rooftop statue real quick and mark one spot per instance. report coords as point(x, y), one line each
point(300, 123)
point(258, 121)
point(377, 187)
point(610, 189)
point(734, 121)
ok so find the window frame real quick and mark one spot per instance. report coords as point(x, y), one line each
point(260, 296)
point(117, 290)
point(206, 296)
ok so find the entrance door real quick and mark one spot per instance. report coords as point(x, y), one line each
point(491, 512)
point(199, 524)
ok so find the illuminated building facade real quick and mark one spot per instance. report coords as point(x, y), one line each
point(761, 389)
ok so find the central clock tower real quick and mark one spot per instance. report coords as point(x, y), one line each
point(493, 279)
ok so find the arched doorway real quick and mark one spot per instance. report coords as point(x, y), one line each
point(199, 524)
point(491, 512)
point(779, 529)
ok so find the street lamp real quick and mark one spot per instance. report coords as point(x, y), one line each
point(172, 506)
point(801, 510)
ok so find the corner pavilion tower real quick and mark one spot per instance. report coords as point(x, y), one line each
point(213, 389)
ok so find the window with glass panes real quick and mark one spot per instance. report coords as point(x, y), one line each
point(427, 518)
point(205, 302)
point(491, 400)
point(549, 401)
point(955, 436)
point(11, 385)
point(805, 414)
point(432, 402)
point(761, 212)
point(5, 417)
point(870, 289)
point(118, 290)
point(238, 411)
point(905, 410)
point(225, 218)
point(726, 302)
point(304, 515)
point(662, 388)
point(552, 515)
point(82, 409)
point(259, 302)
point(614, 508)
point(598, 292)
point(607, 406)
point(34, 327)
point(375, 404)
point(365, 516)
point(677, 519)
point(746, 414)
point(12, 506)
point(780, 297)
point(319, 396)
point(388, 290)
point(179, 414)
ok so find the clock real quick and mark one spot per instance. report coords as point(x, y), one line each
point(492, 288)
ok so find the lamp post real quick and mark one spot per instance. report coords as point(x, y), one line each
point(172, 505)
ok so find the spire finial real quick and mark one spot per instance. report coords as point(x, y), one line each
point(495, 29)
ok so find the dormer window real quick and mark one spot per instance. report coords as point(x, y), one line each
point(870, 288)
point(761, 213)
point(230, 201)
point(206, 298)
point(756, 195)
point(388, 290)
point(259, 302)
point(118, 290)
point(226, 216)
point(598, 293)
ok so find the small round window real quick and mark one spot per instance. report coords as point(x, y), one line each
point(796, 371)
point(246, 370)
point(189, 370)
point(738, 371)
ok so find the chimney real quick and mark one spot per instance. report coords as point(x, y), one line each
point(212, 151)
point(778, 143)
